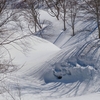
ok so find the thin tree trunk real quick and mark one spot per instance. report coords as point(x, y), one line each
point(35, 27)
point(64, 16)
point(73, 30)
point(98, 22)
point(64, 22)
point(99, 30)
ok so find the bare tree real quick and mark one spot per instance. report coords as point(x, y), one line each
point(33, 13)
point(53, 8)
point(8, 19)
point(93, 8)
point(9, 35)
point(73, 10)
point(58, 9)
point(63, 5)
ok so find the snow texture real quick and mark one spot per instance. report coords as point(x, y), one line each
point(70, 71)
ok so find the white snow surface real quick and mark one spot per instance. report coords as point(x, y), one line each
point(48, 72)
point(36, 79)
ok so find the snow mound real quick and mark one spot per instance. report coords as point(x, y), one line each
point(74, 70)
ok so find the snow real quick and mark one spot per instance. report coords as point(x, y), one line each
point(68, 69)
point(38, 48)
point(85, 97)
point(55, 29)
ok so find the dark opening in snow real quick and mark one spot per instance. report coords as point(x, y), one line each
point(59, 77)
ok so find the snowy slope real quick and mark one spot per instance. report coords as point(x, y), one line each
point(40, 51)
point(49, 72)
point(40, 81)
point(72, 72)
point(37, 48)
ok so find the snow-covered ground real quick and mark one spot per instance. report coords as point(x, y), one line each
point(70, 71)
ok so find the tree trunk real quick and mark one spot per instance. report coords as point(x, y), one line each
point(98, 23)
point(99, 30)
point(73, 30)
point(64, 22)
point(64, 16)
point(35, 27)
